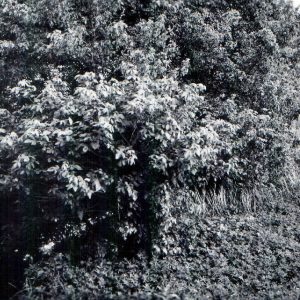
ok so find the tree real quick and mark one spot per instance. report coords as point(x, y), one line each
point(111, 108)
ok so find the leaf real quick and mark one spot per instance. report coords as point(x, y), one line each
point(97, 184)
point(85, 149)
point(80, 214)
point(95, 145)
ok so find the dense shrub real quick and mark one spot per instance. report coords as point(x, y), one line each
point(111, 108)
point(241, 256)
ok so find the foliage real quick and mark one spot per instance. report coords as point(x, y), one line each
point(116, 113)
point(241, 256)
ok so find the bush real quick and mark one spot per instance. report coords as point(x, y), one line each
point(232, 257)
point(109, 106)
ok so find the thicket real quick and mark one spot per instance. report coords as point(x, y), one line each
point(244, 256)
point(118, 117)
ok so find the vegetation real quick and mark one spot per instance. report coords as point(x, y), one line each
point(123, 123)
point(236, 257)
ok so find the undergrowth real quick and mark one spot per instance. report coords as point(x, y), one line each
point(249, 255)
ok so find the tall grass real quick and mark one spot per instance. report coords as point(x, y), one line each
point(229, 201)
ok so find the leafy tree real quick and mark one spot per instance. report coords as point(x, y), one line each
point(114, 113)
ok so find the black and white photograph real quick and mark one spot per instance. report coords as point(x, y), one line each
point(149, 149)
